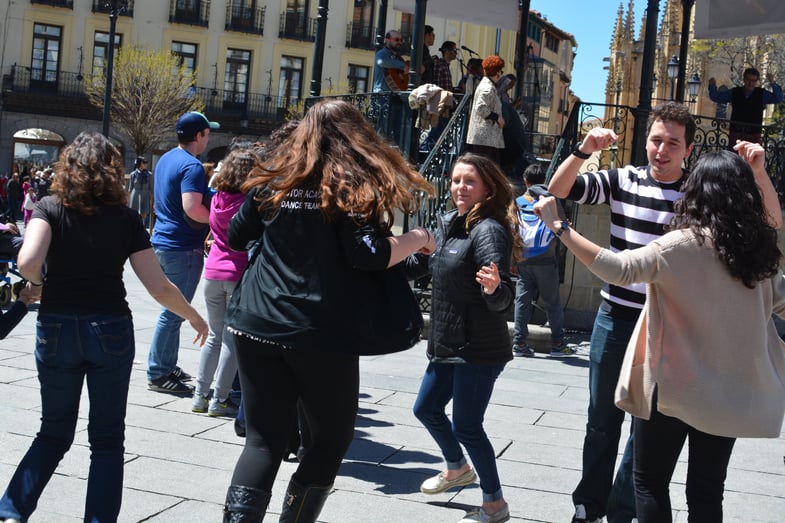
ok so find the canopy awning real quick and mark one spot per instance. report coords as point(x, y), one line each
point(738, 18)
point(493, 13)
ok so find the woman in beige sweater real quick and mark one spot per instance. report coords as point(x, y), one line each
point(709, 364)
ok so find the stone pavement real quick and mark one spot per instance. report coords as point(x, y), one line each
point(178, 464)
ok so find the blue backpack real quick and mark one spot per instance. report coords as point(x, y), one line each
point(535, 235)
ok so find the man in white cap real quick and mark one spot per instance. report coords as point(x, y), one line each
point(181, 218)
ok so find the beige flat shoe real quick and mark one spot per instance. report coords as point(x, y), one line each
point(438, 484)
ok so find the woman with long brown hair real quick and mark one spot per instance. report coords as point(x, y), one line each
point(321, 213)
point(468, 341)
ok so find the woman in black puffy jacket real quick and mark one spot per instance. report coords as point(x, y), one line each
point(469, 343)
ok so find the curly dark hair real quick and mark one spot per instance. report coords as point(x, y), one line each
point(499, 205)
point(234, 170)
point(335, 149)
point(722, 204)
point(90, 174)
point(677, 113)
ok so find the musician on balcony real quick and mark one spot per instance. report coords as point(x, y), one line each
point(391, 71)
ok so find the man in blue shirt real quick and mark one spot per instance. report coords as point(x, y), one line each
point(388, 59)
point(747, 104)
point(181, 218)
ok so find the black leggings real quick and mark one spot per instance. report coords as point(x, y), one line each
point(657, 445)
point(273, 379)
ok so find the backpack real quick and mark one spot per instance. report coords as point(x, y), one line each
point(535, 235)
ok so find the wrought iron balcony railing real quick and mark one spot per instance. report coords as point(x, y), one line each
point(56, 3)
point(105, 6)
point(21, 92)
point(191, 12)
point(245, 19)
point(360, 36)
point(21, 79)
point(297, 26)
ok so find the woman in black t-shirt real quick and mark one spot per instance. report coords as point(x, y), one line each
point(85, 233)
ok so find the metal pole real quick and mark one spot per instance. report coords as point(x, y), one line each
point(521, 56)
point(381, 23)
point(318, 58)
point(109, 66)
point(686, 14)
point(415, 57)
point(647, 71)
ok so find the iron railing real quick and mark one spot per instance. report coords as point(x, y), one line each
point(21, 80)
point(196, 12)
point(56, 3)
point(244, 19)
point(297, 26)
point(253, 105)
point(360, 36)
point(104, 6)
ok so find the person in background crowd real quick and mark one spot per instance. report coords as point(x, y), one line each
point(538, 275)
point(178, 239)
point(222, 271)
point(140, 186)
point(84, 234)
point(484, 135)
point(747, 105)
point(427, 64)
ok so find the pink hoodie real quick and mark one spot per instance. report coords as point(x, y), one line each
point(223, 263)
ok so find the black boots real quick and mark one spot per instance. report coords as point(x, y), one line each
point(245, 504)
point(302, 504)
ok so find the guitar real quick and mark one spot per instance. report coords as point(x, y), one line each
point(396, 79)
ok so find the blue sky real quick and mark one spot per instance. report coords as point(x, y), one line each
point(592, 23)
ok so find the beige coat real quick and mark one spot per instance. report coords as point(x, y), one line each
point(482, 130)
point(711, 347)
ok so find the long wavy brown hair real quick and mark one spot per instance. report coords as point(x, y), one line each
point(335, 149)
point(89, 174)
point(499, 205)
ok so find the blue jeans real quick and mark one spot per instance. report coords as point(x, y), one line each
point(531, 280)
point(217, 357)
point(184, 269)
point(597, 490)
point(470, 388)
point(70, 347)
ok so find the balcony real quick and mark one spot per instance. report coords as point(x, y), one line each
point(296, 26)
point(244, 19)
point(257, 114)
point(68, 4)
point(103, 6)
point(360, 36)
point(189, 12)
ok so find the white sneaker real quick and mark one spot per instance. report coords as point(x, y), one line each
point(580, 516)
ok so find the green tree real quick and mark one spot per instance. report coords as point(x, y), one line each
point(150, 90)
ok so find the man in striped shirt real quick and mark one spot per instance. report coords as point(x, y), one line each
point(641, 202)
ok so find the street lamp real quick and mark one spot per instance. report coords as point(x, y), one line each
point(673, 72)
point(693, 86)
point(115, 8)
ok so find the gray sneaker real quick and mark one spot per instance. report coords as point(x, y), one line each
point(199, 403)
point(522, 351)
point(225, 408)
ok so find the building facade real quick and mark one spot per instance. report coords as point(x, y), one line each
point(252, 61)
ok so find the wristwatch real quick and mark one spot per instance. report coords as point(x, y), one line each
point(576, 150)
point(563, 227)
